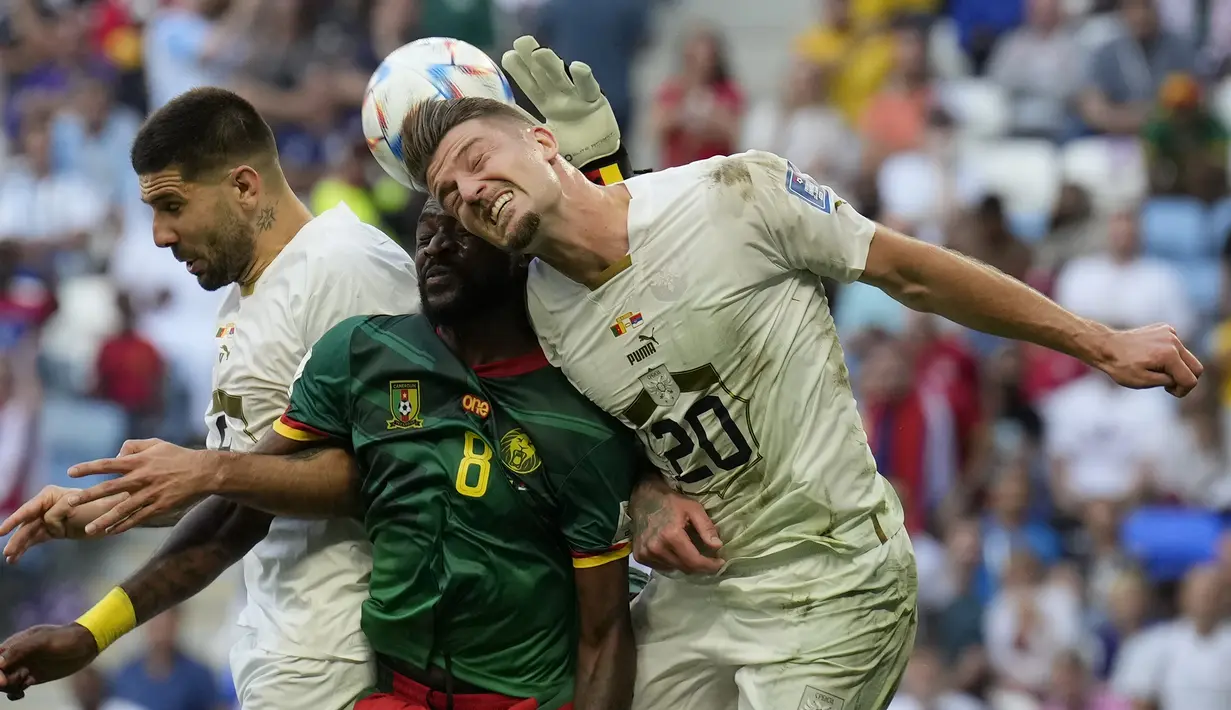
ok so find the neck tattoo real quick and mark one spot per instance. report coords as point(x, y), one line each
point(265, 220)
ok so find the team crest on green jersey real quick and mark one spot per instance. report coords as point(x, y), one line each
point(518, 452)
point(404, 405)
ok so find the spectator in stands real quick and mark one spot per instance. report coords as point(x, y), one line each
point(26, 300)
point(698, 111)
point(1126, 73)
point(953, 589)
point(20, 397)
point(1184, 665)
point(910, 430)
point(606, 35)
point(1028, 623)
point(1035, 65)
point(1196, 473)
point(1129, 615)
point(91, 136)
point(130, 372)
point(1072, 231)
point(1123, 287)
point(984, 234)
point(980, 24)
point(48, 213)
point(191, 43)
point(926, 685)
point(802, 127)
point(90, 691)
point(1104, 442)
point(1008, 525)
point(944, 363)
point(895, 118)
point(856, 58)
point(1186, 145)
point(1073, 688)
point(1102, 558)
point(165, 677)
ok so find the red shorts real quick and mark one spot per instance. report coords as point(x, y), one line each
point(409, 695)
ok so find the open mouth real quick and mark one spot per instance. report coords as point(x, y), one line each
point(498, 206)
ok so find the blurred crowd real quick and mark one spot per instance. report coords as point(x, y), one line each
point(1069, 534)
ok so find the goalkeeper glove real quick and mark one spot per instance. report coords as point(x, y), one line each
point(574, 108)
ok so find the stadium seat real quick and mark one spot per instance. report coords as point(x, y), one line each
point(1218, 227)
point(1203, 281)
point(1111, 170)
point(1025, 173)
point(1168, 541)
point(1175, 228)
point(1029, 227)
point(980, 106)
point(75, 430)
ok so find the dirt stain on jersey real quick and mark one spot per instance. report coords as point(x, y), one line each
point(732, 175)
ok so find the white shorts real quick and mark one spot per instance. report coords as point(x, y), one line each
point(265, 680)
point(820, 632)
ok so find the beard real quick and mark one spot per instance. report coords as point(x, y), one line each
point(521, 235)
point(229, 250)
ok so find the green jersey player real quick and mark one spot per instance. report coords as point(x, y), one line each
point(493, 493)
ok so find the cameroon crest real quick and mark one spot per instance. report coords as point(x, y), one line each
point(404, 405)
point(518, 453)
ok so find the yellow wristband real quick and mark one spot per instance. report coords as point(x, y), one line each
point(110, 619)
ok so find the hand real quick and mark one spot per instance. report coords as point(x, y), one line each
point(575, 109)
point(1148, 357)
point(44, 517)
point(42, 654)
point(157, 479)
point(661, 538)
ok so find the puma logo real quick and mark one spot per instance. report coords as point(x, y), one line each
point(647, 338)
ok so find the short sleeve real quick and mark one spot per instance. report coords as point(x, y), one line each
point(320, 392)
point(379, 279)
point(807, 226)
point(593, 501)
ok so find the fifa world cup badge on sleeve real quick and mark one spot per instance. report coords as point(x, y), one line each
point(804, 187)
point(404, 405)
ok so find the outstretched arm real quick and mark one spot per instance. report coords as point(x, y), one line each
point(927, 278)
point(283, 476)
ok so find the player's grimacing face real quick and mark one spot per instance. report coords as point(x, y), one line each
point(459, 274)
point(204, 232)
point(497, 179)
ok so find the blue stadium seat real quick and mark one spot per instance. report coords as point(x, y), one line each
point(1168, 541)
point(1218, 228)
point(1029, 227)
point(1175, 228)
point(76, 430)
point(1203, 281)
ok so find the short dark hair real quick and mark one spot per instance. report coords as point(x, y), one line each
point(427, 124)
point(201, 131)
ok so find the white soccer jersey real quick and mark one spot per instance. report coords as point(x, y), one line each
point(307, 580)
point(715, 342)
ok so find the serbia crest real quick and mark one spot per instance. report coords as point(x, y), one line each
point(404, 405)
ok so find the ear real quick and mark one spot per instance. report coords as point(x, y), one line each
point(246, 182)
point(546, 143)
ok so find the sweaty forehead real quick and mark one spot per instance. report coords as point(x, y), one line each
point(162, 183)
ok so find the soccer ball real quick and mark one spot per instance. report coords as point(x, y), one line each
point(425, 70)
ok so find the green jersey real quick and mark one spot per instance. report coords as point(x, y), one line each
point(482, 490)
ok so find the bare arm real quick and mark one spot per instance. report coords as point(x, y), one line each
point(303, 479)
point(282, 476)
point(211, 538)
point(935, 280)
point(930, 279)
point(606, 653)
